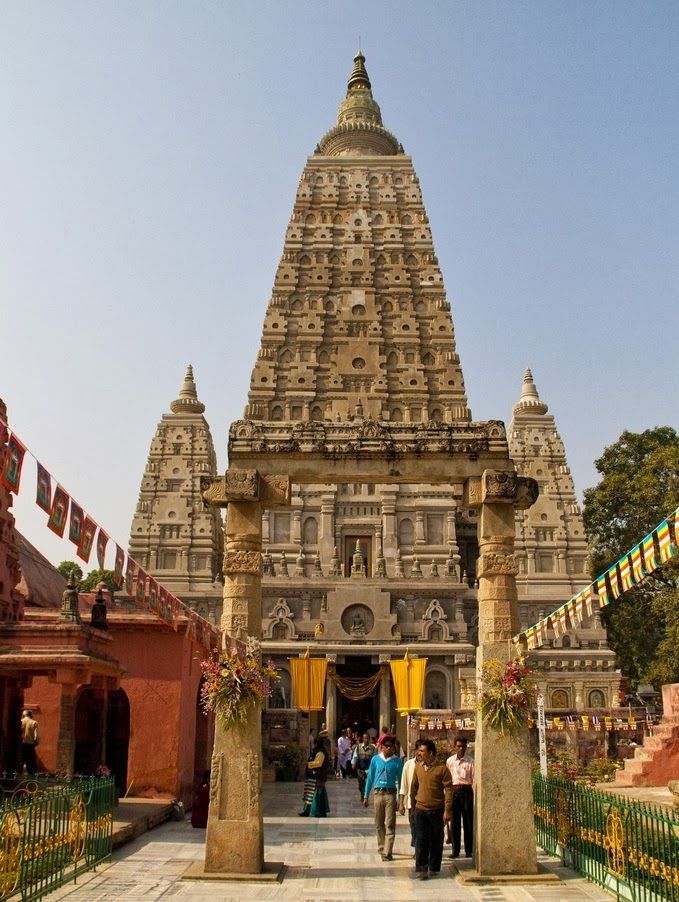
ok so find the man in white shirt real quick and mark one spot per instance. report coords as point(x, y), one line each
point(461, 768)
point(404, 802)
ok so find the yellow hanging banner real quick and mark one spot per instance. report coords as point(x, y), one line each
point(308, 682)
point(408, 677)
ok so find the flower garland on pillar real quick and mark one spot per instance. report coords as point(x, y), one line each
point(508, 695)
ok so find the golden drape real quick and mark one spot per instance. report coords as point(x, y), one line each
point(357, 688)
point(308, 681)
point(408, 677)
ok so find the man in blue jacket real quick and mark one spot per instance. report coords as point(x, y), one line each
point(384, 779)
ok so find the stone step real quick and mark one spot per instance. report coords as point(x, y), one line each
point(653, 743)
point(636, 766)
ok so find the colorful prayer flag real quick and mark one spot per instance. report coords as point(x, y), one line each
point(118, 567)
point(162, 603)
point(613, 582)
point(664, 542)
point(130, 576)
point(140, 594)
point(637, 563)
point(152, 594)
point(14, 459)
point(43, 491)
point(102, 541)
point(648, 554)
point(75, 527)
point(587, 598)
point(601, 591)
point(86, 539)
point(58, 512)
point(556, 624)
point(626, 575)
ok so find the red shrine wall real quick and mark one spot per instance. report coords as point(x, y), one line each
point(162, 676)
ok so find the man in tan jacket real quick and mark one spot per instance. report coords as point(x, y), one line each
point(431, 795)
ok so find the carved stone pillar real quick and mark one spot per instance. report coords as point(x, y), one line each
point(389, 536)
point(331, 700)
point(385, 694)
point(235, 836)
point(326, 538)
point(503, 777)
point(419, 528)
point(66, 734)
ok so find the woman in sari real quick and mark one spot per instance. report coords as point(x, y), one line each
point(315, 798)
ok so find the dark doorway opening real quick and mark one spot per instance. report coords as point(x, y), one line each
point(359, 715)
point(118, 737)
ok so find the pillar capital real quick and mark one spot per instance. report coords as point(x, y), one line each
point(245, 485)
point(501, 487)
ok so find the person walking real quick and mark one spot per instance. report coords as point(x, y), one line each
point(431, 795)
point(461, 768)
point(384, 777)
point(344, 750)
point(29, 740)
point(404, 801)
point(360, 761)
point(315, 795)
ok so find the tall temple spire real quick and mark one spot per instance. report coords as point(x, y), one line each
point(187, 402)
point(359, 130)
point(529, 400)
point(358, 316)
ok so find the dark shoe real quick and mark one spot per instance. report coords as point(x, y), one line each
point(388, 857)
point(468, 855)
point(431, 874)
point(455, 855)
point(420, 875)
point(303, 814)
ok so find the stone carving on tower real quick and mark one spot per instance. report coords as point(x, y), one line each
point(174, 537)
point(551, 552)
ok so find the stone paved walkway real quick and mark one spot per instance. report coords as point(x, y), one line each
point(332, 860)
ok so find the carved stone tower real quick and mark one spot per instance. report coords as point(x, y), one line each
point(174, 537)
point(358, 322)
point(578, 670)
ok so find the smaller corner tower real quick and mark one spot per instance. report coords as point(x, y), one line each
point(174, 537)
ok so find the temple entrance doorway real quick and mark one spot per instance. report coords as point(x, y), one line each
point(118, 737)
point(354, 676)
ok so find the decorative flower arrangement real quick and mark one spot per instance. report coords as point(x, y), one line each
point(103, 771)
point(232, 685)
point(508, 695)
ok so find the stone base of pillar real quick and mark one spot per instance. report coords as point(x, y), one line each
point(504, 836)
point(235, 838)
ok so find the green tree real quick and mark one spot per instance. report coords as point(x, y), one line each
point(86, 583)
point(639, 487)
point(94, 577)
point(68, 567)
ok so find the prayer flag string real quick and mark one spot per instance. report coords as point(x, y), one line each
point(62, 509)
point(649, 555)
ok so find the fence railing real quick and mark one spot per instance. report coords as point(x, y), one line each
point(629, 847)
point(52, 832)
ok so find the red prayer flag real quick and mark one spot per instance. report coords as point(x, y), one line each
point(152, 594)
point(162, 603)
point(87, 539)
point(130, 576)
point(14, 459)
point(140, 594)
point(58, 512)
point(102, 541)
point(118, 567)
point(75, 529)
point(43, 492)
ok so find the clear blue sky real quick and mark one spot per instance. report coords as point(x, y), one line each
point(150, 154)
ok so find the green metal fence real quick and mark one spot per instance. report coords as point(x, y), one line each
point(629, 847)
point(51, 832)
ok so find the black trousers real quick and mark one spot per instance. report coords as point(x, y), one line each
point(428, 840)
point(463, 817)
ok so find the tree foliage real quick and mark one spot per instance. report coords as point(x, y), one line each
point(86, 583)
point(639, 487)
